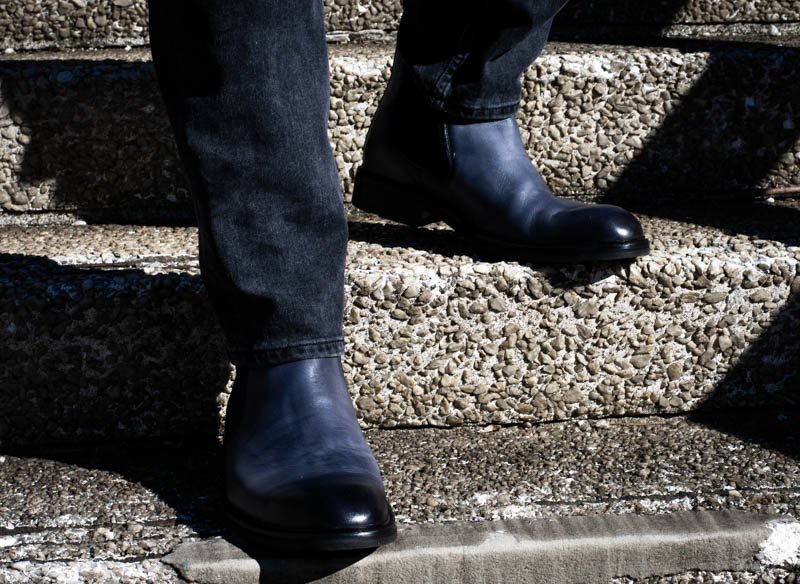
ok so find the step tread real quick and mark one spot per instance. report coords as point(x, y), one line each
point(105, 23)
point(143, 498)
point(436, 332)
point(678, 123)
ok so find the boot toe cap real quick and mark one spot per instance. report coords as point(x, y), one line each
point(323, 504)
point(604, 224)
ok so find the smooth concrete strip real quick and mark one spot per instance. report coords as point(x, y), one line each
point(570, 549)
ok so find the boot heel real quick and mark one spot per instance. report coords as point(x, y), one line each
point(391, 200)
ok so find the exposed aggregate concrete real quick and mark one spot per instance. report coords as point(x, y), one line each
point(637, 124)
point(126, 502)
point(89, 572)
point(100, 23)
point(771, 576)
point(437, 332)
point(592, 467)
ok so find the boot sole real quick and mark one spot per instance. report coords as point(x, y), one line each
point(416, 207)
point(283, 540)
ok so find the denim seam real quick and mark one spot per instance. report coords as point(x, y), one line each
point(439, 95)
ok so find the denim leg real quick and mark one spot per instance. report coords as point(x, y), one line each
point(245, 84)
point(468, 55)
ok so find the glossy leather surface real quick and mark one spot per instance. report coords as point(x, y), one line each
point(478, 176)
point(296, 458)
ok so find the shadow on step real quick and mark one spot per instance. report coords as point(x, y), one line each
point(763, 366)
point(95, 139)
point(126, 306)
point(187, 478)
point(738, 125)
point(619, 12)
point(593, 21)
point(105, 353)
point(743, 113)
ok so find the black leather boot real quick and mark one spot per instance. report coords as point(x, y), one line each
point(300, 475)
point(420, 167)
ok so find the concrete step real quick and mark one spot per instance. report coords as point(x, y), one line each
point(85, 132)
point(106, 330)
point(711, 498)
point(95, 23)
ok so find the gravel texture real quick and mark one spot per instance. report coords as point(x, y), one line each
point(136, 501)
point(88, 572)
point(775, 576)
point(98, 23)
point(107, 331)
point(86, 132)
point(745, 461)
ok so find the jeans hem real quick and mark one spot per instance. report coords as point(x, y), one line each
point(278, 355)
point(458, 113)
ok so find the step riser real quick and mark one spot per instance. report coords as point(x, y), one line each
point(97, 23)
point(429, 341)
point(92, 138)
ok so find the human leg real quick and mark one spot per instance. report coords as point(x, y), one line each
point(245, 83)
point(246, 88)
point(468, 56)
point(444, 144)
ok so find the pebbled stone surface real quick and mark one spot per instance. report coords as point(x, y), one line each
point(96, 23)
point(136, 501)
point(85, 132)
point(438, 332)
point(771, 576)
point(89, 572)
point(627, 465)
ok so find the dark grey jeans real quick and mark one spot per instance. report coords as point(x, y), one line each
point(246, 87)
